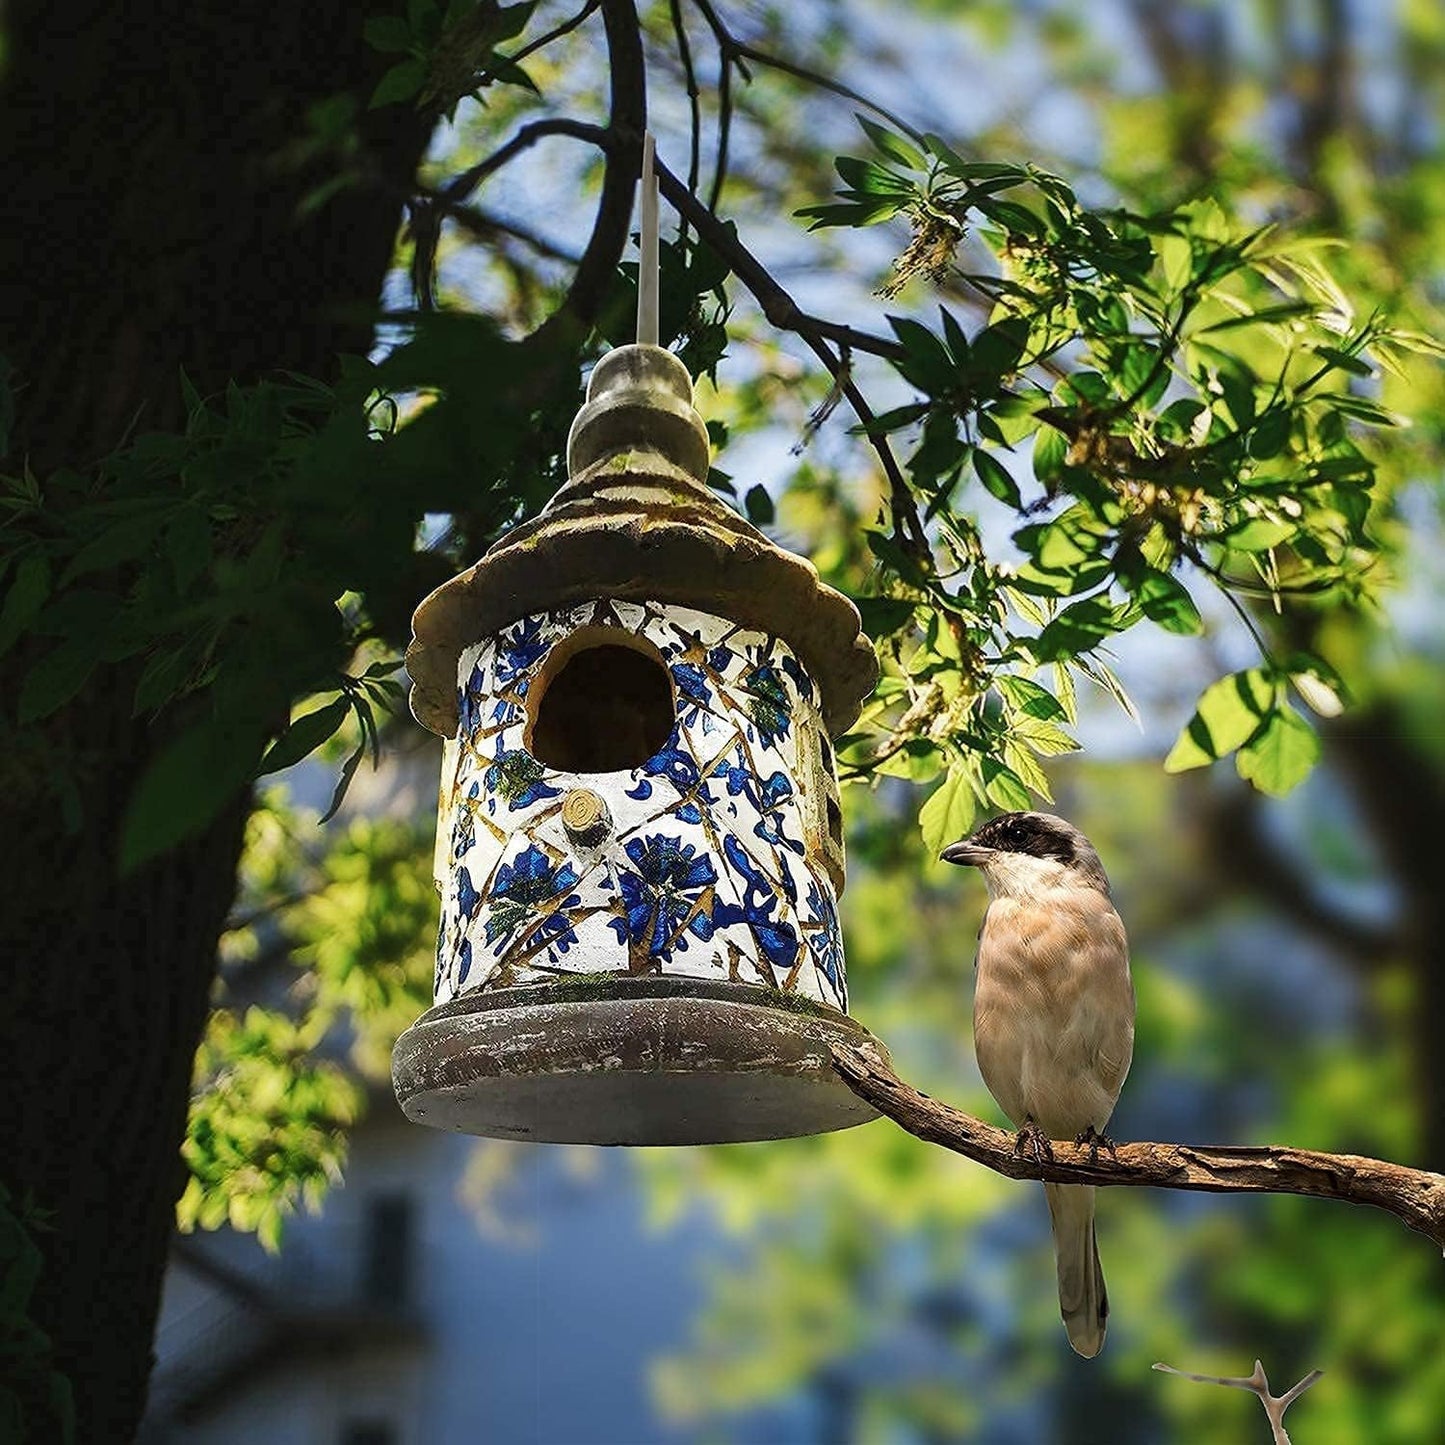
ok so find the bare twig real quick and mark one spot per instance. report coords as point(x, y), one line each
point(564, 28)
point(462, 185)
point(694, 95)
point(1415, 1196)
point(735, 50)
point(622, 145)
point(820, 336)
point(1258, 1382)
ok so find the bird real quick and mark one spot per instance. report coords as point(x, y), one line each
point(1053, 1020)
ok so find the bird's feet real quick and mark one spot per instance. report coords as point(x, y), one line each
point(1032, 1140)
point(1096, 1141)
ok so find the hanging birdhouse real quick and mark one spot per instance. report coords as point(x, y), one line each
point(640, 847)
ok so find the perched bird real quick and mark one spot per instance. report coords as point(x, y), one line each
point(1053, 1020)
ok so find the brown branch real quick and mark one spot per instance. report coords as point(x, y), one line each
point(462, 185)
point(622, 146)
point(1412, 1195)
point(785, 314)
point(736, 51)
point(566, 27)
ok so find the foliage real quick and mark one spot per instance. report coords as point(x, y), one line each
point(210, 562)
point(1184, 384)
point(340, 937)
point(33, 1394)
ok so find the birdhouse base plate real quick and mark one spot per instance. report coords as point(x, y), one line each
point(630, 1061)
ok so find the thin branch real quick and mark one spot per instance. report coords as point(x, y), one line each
point(1414, 1196)
point(694, 96)
point(734, 49)
point(461, 186)
point(565, 28)
point(724, 127)
point(487, 225)
point(785, 314)
point(1258, 1383)
point(621, 142)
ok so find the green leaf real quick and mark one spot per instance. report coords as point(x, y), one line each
point(997, 350)
point(188, 545)
point(892, 146)
point(24, 598)
point(57, 677)
point(1176, 256)
point(399, 83)
point(165, 674)
point(995, 477)
point(1281, 755)
point(387, 33)
point(1259, 534)
point(1030, 698)
point(343, 783)
point(185, 787)
point(1005, 789)
point(1229, 713)
point(888, 551)
point(1343, 361)
point(1166, 601)
point(883, 616)
point(1080, 627)
point(120, 542)
point(760, 506)
point(304, 736)
point(948, 814)
point(869, 180)
point(926, 362)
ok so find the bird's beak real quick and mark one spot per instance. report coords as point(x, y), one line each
point(970, 855)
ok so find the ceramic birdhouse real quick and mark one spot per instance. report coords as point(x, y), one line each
point(639, 848)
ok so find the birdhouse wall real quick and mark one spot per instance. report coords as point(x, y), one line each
point(705, 745)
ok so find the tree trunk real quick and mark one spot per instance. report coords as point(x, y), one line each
point(149, 226)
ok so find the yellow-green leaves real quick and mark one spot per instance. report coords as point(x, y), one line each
point(1246, 714)
point(1281, 755)
point(948, 814)
point(1230, 712)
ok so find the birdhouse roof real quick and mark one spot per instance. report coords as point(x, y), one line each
point(637, 521)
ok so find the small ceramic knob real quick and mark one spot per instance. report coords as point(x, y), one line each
point(585, 817)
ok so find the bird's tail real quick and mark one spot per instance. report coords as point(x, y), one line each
point(1082, 1299)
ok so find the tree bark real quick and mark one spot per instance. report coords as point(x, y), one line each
point(150, 224)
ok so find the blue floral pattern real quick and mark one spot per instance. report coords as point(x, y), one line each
point(715, 866)
point(665, 896)
point(528, 890)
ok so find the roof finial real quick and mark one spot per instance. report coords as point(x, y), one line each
point(647, 264)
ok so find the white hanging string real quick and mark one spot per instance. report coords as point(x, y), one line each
point(647, 265)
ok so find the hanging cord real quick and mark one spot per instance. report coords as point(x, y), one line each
point(647, 245)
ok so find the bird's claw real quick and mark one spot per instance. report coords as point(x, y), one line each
point(1096, 1141)
point(1032, 1140)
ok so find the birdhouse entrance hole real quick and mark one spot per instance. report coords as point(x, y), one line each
point(602, 703)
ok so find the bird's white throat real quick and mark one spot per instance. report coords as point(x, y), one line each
point(1021, 875)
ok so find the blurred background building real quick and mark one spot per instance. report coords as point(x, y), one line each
point(402, 1316)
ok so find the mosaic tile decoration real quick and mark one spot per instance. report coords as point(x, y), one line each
point(714, 865)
